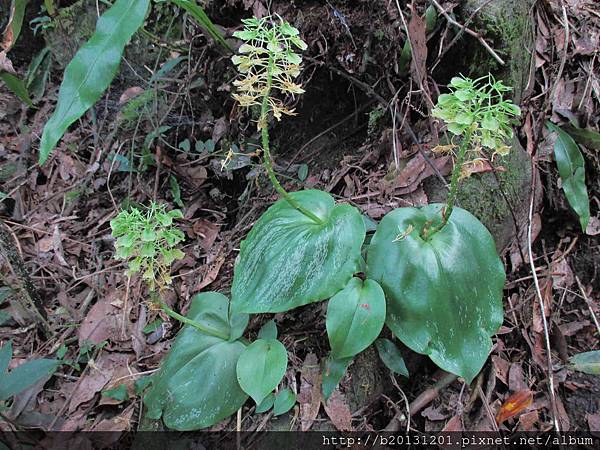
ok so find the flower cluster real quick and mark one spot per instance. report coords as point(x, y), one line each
point(268, 63)
point(478, 107)
point(147, 239)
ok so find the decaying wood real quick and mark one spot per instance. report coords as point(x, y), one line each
point(9, 251)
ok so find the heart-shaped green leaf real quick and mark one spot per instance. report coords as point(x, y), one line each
point(444, 292)
point(197, 385)
point(289, 260)
point(261, 367)
point(355, 317)
point(284, 401)
point(571, 167)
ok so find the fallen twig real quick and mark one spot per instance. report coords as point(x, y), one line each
point(424, 399)
point(470, 32)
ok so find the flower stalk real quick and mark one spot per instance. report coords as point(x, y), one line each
point(267, 61)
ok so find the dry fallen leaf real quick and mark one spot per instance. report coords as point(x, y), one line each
point(97, 375)
point(309, 397)
point(104, 321)
point(593, 228)
point(514, 405)
point(338, 411)
point(130, 93)
point(528, 420)
point(207, 231)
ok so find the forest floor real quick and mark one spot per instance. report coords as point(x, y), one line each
point(190, 147)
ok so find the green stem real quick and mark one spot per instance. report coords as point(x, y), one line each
point(460, 159)
point(454, 182)
point(185, 320)
point(268, 162)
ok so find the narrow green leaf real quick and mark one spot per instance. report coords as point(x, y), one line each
point(289, 260)
point(284, 401)
point(444, 293)
point(391, 356)
point(17, 20)
point(588, 138)
point(431, 15)
point(355, 317)
point(268, 330)
point(92, 69)
point(587, 362)
point(571, 168)
point(152, 326)
point(176, 191)
point(266, 404)
point(5, 356)
point(165, 69)
point(197, 12)
point(261, 367)
point(197, 385)
point(38, 72)
point(17, 86)
point(26, 375)
point(334, 371)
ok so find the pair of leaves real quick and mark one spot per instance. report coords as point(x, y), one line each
point(23, 376)
point(355, 317)
point(444, 292)
point(571, 167)
point(204, 378)
point(281, 402)
point(197, 384)
point(289, 260)
point(92, 69)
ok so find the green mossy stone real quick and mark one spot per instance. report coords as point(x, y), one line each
point(506, 26)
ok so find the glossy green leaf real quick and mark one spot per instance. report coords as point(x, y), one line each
point(17, 86)
point(25, 375)
point(355, 317)
point(444, 293)
point(289, 260)
point(266, 404)
point(571, 167)
point(284, 401)
point(268, 330)
point(261, 367)
point(391, 356)
point(588, 362)
point(197, 385)
point(333, 373)
point(92, 69)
